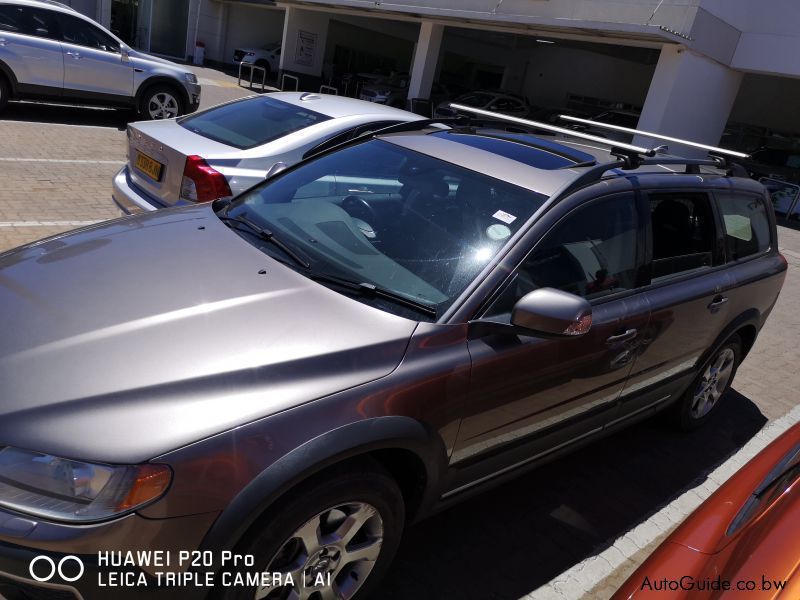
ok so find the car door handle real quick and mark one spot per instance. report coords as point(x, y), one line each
point(3, 42)
point(622, 337)
point(717, 303)
point(75, 55)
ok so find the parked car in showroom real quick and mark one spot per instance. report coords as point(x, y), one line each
point(498, 101)
point(222, 151)
point(391, 91)
point(743, 538)
point(51, 52)
point(268, 57)
point(361, 340)
point(774, 163)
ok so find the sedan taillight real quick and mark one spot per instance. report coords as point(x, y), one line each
point(202, 183)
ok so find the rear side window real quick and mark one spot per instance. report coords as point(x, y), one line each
point(683, 233)
point(12, 18)
point(251, 122)
point(77, 31)
point(747, 230)
point(42, 23)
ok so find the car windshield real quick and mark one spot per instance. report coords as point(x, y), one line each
point(251, 122)
point(376, 213)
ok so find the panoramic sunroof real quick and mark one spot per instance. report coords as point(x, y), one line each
point(523, 148)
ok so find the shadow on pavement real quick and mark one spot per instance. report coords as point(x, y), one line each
point(68, 115)
point(510, 540)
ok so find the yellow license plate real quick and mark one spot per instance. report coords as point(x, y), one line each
point(148, 166)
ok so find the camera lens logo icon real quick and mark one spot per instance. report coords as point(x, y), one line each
point(43, 568)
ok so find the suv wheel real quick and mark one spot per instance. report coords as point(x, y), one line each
point(343, 528)
point(710, 385)
point(5, 92)
point(161, 102)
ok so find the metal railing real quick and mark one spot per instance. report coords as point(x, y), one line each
point(253, 69)
point(328, 89)
point(291, 78)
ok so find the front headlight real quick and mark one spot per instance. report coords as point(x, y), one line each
point(190, 77)
point(67, 490)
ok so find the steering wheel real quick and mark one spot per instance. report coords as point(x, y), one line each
point(358, 207)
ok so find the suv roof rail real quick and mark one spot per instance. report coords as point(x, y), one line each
point(599, 125)
point(628, 152)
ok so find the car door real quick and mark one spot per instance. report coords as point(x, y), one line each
point(30, 47)
point(94, 65)
point(531, 394)
point(687, 293)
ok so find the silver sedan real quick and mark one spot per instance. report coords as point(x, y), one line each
point(227, 149)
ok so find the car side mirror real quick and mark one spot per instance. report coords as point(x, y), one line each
point(553, 312)
point(275, 169)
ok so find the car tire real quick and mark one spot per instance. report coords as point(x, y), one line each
point(711, 384)
point(362, 502)
point(161, 102)
point(5, 92)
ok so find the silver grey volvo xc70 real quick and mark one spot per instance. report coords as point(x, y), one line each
point(364, 338)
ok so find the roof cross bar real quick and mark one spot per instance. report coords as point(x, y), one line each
point(626, 149)
point(656, 136)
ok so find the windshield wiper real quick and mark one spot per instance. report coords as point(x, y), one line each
point(370, 289)
point(266, 235)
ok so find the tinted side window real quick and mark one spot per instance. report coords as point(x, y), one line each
point(77, 31)
point(42, 23)
point(747, 230)
point(683, 233)
point(593, 252)
point(12, 18)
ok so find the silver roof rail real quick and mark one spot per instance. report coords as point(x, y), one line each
point(656, 136)
point(547, 127)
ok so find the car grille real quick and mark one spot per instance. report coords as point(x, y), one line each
point(238, 55)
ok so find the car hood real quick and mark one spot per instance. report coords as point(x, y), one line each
point(138, 54)
point(134, 337)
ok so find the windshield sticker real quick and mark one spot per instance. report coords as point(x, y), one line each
point(498, 232)
point(505, 217)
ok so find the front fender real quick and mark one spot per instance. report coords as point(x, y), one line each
point(346, 442)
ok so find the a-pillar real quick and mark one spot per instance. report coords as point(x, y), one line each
point(690, 97)
point(426, 57)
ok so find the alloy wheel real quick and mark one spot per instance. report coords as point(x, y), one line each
point(713, 383)
point(162, 106)
point(328, 558)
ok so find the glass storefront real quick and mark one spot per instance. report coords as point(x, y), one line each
point(158, 26)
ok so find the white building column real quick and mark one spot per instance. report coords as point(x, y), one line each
point(305, 33)
point(690, 97)
point(104, 13)
point(426, 57)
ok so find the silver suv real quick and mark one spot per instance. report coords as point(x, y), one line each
point(49, 51)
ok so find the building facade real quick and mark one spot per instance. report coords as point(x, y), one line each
point(704, 69)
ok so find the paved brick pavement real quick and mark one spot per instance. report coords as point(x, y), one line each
point(600, 510)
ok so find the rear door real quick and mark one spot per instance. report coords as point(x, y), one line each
point(94, 66)
point(30, 46)
point(753, 264)
point(687, 293)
